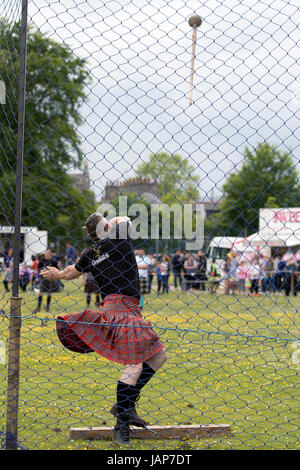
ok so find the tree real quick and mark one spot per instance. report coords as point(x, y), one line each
point(177, 181)
point(177, 185)
point(55, 89)
point(50, 203)
point(267, 178)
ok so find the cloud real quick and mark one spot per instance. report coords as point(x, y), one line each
point(139, 55)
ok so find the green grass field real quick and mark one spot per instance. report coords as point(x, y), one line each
point(229, 361)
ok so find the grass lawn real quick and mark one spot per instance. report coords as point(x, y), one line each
point(229, 361)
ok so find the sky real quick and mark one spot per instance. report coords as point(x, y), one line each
point(246, 81)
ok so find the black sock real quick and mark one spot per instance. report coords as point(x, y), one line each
point(48, 301)
point(40, 298)
point(126, 396)
point(146, 375)
point(88, 299)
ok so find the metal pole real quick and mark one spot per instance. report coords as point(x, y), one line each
point(194, 37)
point(15, 306)
point(20, 150)
point(194, 22)
point(13, 374)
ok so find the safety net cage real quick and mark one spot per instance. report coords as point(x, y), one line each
point(149, 224)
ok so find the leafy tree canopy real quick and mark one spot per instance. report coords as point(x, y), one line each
point(176, 177)
point(55, 89)
point(267, 178)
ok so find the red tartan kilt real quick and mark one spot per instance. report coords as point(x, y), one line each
point(118, 332)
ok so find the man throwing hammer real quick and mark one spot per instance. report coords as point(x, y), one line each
point(118, 332)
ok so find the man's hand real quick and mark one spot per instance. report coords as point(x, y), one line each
point(49, 273)
point(119, 219)
point(122, 224)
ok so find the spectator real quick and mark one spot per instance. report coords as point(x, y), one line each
point(254, 275)
point(56, 256)
point(233, 273)
point(184, 257)
point(34, 270)
point(142, 262)
point(91, 287)
point(24, 277)
point(46, 286)
point(291, 270)
point(280, 275)
point(165, 273)
point(8, 270)
point(213, 281)
point(202, 264)
point(191, 270)
point(8, 276)
point(158, 277)
point(151, 271)
point(177, 265)
point(226, 268)
point(242, 276)
point(267, 282)
point(276, 260)
point(70, 254)
point(7, 257)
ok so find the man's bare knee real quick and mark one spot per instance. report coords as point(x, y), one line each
point(131, 373)
point(155, 362)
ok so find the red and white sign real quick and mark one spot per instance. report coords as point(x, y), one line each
point(279, 222)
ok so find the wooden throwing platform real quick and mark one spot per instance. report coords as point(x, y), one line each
point(156, 432)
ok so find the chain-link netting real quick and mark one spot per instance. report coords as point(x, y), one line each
point(190, 129)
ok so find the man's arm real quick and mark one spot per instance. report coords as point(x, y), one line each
point(70, 272)
point(143, 266)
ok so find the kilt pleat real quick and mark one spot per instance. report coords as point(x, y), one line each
point(118, 332)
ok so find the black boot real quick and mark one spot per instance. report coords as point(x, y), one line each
point(130, 415)
point(121, 432)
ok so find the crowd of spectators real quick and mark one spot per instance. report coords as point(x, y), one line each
point(236, 275)
point(189, 271)
point(261, 274)
point(179, 271)
point(29, 277)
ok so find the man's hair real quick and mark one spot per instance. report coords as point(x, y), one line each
point(91, 223)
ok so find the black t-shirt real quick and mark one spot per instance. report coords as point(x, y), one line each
point(177, 263)
point(113, 265)
point(202, 264)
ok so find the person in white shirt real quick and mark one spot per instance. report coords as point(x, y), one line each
point(143, 263)
point(254, 275)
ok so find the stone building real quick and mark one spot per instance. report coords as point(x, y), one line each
point(148, 191)
point(141, 186)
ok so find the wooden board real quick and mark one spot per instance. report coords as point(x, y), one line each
point(156, 432)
